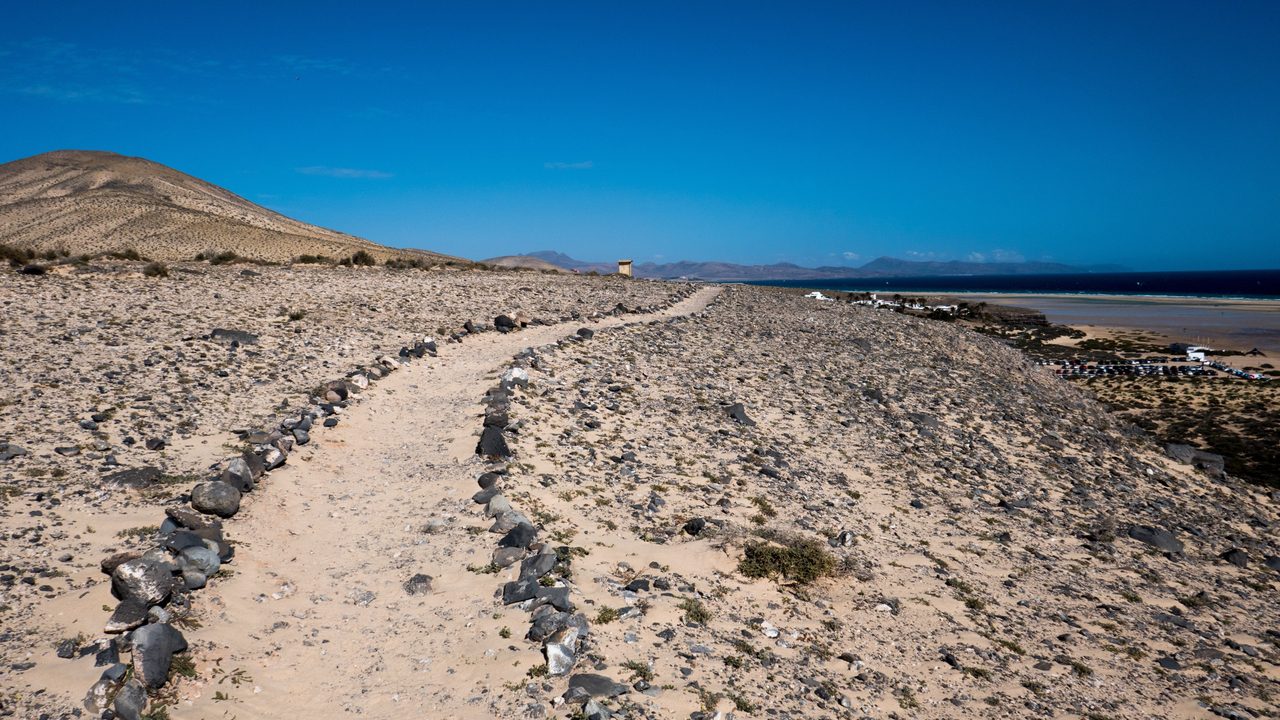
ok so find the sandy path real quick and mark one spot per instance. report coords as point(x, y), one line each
point(314, 621)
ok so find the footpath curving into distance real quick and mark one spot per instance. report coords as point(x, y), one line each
point(322, 573)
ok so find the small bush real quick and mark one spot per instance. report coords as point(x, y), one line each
point(156, 270)
point(695, 611)
point(408, 264)
point(314, 260)
point(126, 254)
point(606, 616)
point(801, 561)
point(360, 258)
point(17, 257)
point(639, 670)
point(222, 258)
point(296, 315)
point(33, 269)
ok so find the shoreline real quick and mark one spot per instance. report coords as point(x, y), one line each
point(1220, 322)
point(1224, 324)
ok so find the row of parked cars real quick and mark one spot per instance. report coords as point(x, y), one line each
point(1145, 367)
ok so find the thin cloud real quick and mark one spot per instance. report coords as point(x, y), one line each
point(345, 173)
point(584, 165)
point(849, 255)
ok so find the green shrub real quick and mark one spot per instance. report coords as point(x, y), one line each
point(126, 254)
point(801, 561)
point(408, 264)
point(156, 269)
point(223, 258)
point(314, 260)
point(695, 611)
point(16, 256)
point(360, 258)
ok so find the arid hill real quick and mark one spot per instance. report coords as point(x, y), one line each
point(524, 262)
point(89, 202)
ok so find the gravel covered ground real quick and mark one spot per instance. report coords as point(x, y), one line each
point(107, 370)
point(998, 543)
point(770, 507)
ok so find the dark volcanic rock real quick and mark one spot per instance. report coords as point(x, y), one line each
point(215, 498)
point(153, 649)
point(142, 580)
point(238, 475)
point(130, 700)
point(419, 584)
point(230, 337)
point(1158, 538)
point(596, 685)
point(129, 614)
point(695, 526)
point(519, 591)
point(493, 444)
point(520, 536)
point(136, 478)
point(1236, 557)
point(738, 412)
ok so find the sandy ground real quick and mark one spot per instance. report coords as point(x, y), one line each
point(103, 340)
point(977, 510)
point(290, 632)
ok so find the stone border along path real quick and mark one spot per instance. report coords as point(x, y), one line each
point(155, 587)
point(542, 587)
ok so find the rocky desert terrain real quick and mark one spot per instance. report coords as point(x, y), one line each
point(122, 389)
point(710, 502)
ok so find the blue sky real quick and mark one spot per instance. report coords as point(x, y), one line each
point(1146, 134)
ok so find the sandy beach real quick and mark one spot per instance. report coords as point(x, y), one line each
point(1221, 323)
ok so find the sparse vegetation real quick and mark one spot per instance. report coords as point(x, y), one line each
point(796, 560)
point(694, 611)
point(360, 258)
point(156, 270)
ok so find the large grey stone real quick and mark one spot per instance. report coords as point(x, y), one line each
point(493, 444)
point(237, 474)
point(1158, 538)
point(153, 649)
point(596, 685)
point(520, 536)
point(215, 498)
point(201, 558)
point(497, 505)
point(561, 650)
point(142, 580)
point(129, 614)
point(233, 337)
point(738, 412)
point(130, 701)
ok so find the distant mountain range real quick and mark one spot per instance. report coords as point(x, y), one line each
point(880, 267)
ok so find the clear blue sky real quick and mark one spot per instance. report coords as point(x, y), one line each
point(1146, 134)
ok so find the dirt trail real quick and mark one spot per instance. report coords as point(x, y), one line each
point(315, 621)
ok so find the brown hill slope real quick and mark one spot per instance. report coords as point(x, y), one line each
point(89, 202)
point(523, 262)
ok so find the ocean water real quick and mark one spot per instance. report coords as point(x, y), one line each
point(1261, 284)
